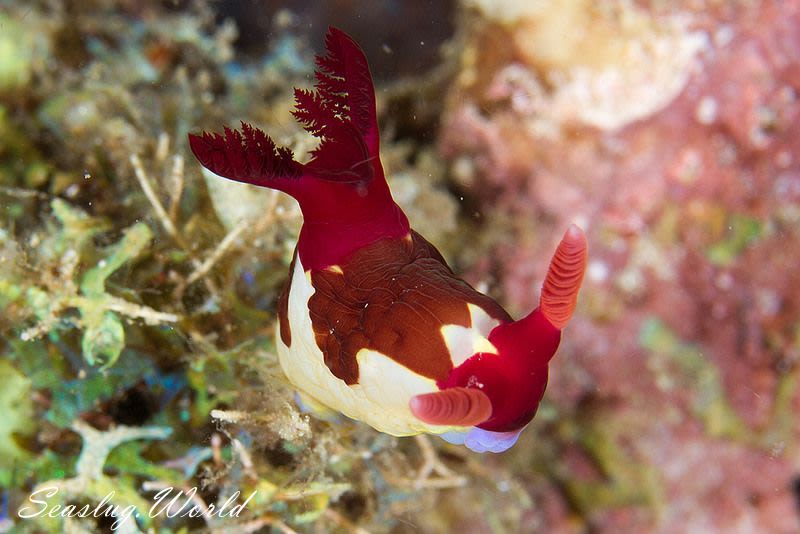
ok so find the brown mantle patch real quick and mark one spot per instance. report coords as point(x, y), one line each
point(393, 297)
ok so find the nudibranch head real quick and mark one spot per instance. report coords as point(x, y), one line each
point(372, 321)
point(502, 389)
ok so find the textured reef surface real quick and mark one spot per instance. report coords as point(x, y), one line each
point(138, 294)
point(676, 141)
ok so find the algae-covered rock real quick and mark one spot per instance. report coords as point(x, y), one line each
point(21, 44)
point(17, 416)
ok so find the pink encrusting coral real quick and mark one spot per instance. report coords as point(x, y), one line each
point(692, 318)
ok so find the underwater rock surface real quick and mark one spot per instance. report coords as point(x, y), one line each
point(687, 354)
point(138, 297)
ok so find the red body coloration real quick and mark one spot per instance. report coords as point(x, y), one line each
point(516, 377)
point(564, 277)
point(351, 221)
point(342, 191)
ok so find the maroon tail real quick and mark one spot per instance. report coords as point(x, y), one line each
point(342, 190)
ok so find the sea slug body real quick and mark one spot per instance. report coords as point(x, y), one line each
point(372, 321)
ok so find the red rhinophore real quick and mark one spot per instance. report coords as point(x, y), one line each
point(560, 289)
point(342, 190)
point(457, 406)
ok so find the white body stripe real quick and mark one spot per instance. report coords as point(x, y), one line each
point(385, 387)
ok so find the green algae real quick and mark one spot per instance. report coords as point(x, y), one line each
point(20, 46)
point(742, 232)
point(677, 364)
point(15, 404)
point(624, 480)
point(90, 483)
point(99, 311)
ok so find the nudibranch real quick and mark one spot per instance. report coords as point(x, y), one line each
point(372, 322)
